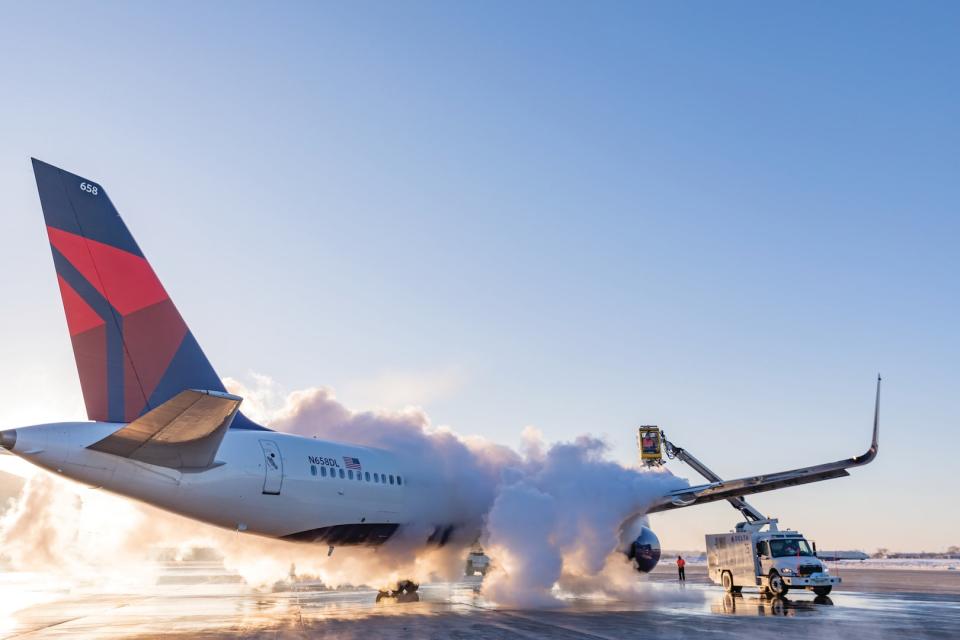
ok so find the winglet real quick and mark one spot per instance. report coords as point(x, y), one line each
point(875, 443)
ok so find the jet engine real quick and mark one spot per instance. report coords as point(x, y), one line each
point(644, 550)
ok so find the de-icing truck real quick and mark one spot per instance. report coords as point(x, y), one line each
point(759, 554)
point(756, 553)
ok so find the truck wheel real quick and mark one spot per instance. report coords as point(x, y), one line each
point(777, 586)
point(727, 581)
point(823, 591)
point(777, 607)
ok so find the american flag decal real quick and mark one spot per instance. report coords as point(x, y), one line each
point(351, 463)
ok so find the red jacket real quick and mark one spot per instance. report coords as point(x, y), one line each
point(681, 562)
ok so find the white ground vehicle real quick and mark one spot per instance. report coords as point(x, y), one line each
point(477, 562)
point(774, 561)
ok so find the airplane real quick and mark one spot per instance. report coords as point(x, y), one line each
point(162, 429)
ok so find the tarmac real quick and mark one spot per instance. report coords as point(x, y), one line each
point(203, 601)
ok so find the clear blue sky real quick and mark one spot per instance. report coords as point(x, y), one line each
point(722, 218)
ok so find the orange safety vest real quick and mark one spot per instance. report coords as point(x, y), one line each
point(681, 562)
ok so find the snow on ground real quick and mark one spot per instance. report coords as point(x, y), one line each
point(930, 564)
point(926, 564)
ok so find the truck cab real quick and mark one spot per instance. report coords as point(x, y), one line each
point(759, 554)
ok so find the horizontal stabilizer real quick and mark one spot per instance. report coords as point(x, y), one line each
point(183, 433)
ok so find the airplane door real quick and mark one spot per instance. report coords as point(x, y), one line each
point(274, 466)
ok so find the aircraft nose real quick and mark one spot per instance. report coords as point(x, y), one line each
point(8, 439)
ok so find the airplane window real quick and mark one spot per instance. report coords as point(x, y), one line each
point(366, 476)
point(323, 471)
point(376, 477)
point(391, 478)
point(341, 474)
point(399, 480)
point(313, 469)
point(350, 473)
point(359, 476)
point(383, 478)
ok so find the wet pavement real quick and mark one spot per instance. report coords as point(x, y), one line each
point(856, 578)
point(209, 604)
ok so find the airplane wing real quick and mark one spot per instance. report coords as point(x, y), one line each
point(725, 490)
point(183, 433)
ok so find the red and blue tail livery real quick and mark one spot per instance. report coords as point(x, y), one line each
point(133, 349)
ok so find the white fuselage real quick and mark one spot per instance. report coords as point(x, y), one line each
point(263, 482)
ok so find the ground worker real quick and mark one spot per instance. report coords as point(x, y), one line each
point(681, 563)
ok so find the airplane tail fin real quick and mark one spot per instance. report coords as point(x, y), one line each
point(133, 350)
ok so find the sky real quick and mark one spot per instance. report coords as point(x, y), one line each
point(724, 219)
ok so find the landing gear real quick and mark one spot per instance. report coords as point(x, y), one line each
point(823, 591)
point(408, 586)
point(404, 591)
point(778, 588)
